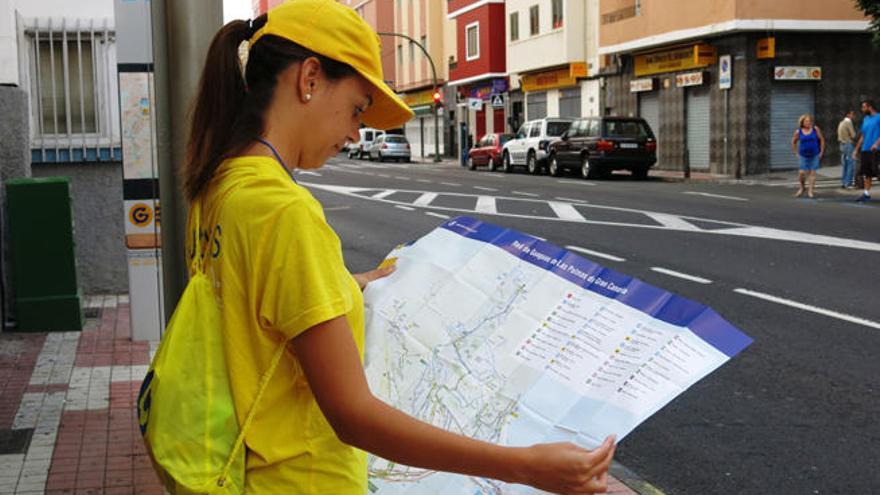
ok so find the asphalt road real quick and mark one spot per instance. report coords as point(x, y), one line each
point(797, 412)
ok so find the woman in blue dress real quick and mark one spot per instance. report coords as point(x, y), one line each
point(809, 146)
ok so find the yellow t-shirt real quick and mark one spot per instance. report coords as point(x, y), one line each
point(278, 269)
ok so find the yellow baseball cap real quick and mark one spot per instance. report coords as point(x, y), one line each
point(339, 33)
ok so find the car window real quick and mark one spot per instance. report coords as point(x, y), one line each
point(557, 128)
point(626, 129)
point(394, 139)
point(368, 135)
point(523, 131)
point(592, 128)
point(482, 142)
point(536, 130)
point(578, 128)
point(505, 138)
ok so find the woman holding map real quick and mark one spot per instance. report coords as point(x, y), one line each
point(312, 77)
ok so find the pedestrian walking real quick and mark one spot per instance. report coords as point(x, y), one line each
point(846, 136)
point(869, 140)
point(313, 76)
point(809, 146)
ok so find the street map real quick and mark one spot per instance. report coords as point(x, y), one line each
point(500, 336)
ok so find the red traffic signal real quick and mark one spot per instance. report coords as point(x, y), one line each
point(437, 97)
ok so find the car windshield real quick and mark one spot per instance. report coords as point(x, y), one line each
point(505, 138)
point(395, 139)
point(557, 128)
point(626, 129)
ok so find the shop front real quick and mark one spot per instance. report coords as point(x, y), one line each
point(420, 130)
point(557, 92)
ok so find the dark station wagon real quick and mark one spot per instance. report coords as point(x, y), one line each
point(596, 146)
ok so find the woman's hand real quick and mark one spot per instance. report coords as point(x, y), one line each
point(365, 278)
point(567, 468)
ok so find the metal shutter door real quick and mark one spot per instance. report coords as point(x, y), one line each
point(536, 106)
point(649, 109)
point(413, 132)
point(570, 103)
point(788, 101)
point(698, 127)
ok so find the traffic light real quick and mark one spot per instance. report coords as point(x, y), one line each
point(437, 97)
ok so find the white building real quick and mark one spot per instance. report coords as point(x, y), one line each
point(552, 58)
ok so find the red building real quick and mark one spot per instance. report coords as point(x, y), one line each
point(480, 70)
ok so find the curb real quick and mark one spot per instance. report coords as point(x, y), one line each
point(632, 480)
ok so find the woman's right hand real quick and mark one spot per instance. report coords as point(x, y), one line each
point(567, 468)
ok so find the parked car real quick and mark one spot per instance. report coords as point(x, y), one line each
point(529, 147)
point(362, 147)
point(390, 147)
point(596, 146)
point(487, 151)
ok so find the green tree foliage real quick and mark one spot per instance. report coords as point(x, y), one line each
point(872, 10)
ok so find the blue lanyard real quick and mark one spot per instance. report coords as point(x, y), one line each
point(278, 157)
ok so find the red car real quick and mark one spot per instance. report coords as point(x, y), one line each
point(487, 151)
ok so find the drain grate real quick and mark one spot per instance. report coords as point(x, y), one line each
point(15, 441)
point(93, 312)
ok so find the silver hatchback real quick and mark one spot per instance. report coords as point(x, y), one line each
point(390, 147)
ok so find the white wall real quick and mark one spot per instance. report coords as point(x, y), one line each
point(549, 47)
point(65, 8)
point(8, 44)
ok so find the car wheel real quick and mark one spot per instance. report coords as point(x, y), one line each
point(532, 163)
point(470, 163)
point(588, 171)
point(554, 166)
point(640, 173)
point(492, 166)
point(506, 166)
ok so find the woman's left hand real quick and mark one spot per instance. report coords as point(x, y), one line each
point(365, 278)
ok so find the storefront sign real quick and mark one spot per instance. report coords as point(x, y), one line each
point(688, 57)
point(725, 72)
point(689, 79)
point(766, 48)
point(640, 85)
point(797, 73)
point(419, 98)
point(556, 78)
point(485, 91)
point(475, 103)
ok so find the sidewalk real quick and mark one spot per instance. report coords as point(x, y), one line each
point(67, 410)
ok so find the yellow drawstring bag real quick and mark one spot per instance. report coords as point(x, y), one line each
point(185, 407)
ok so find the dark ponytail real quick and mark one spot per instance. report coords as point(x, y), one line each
point(229, 108)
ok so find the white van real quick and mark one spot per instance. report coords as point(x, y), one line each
point(361, 149)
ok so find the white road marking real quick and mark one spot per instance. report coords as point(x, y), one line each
point(807, 307)
point(531, 195)
point(672, 221)
point(385, 176)
point(570, 200)
point(486, 204)
point(383, 194)
point(540, 238)
point(481, 188)
point(406, 208)
point(438, 215)
point(400, 177)
point(308, 172)
point(337, 208)
point(673, 273)
point(566, 211)
point(367, 173)
point(576, 182)
point(718, 196)
point(597, 254)
point(425, 199)
point(425, 181)
point(453, 184)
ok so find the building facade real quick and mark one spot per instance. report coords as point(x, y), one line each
point(478, 71)
point(551, 58)
point(723, 85)
point(425, 22)
point(59, 67)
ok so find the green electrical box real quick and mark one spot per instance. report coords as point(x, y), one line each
point(47, 297)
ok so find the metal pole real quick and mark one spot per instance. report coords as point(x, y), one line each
point(182, 32)
point(434, 78)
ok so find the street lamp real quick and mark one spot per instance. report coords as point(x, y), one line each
point(436, 93)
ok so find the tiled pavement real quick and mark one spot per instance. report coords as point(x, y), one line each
point(67, 409)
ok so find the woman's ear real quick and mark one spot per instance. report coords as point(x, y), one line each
point(309, 77)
